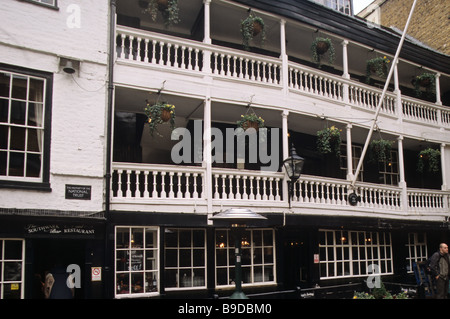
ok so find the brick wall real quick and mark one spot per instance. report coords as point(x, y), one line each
point(430, 23)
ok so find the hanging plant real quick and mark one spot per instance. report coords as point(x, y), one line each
point(425, 80)
point(329, 140)
point(250, 28)
point(319, 47)
point(380, 150)
point(250, 120)
point(167, 8)
point(160, 113)
point(430, 158)
point(377, 66)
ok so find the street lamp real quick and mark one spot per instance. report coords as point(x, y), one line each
point(237, 218)
point(293, 166)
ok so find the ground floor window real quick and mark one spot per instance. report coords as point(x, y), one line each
point(11, 268)
point(185, 258)
point(136, 261)
point(258, 257)
point(354, 253)
point(417, 249)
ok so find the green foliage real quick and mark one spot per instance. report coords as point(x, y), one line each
point(426, 80)
point(169, 12)
point(380, 150)
point(329, 140)
point(379, 293)
point(245, 119)
point(431, 159)
point(317, 54)
point(248, 32)
point(155, 113)
point(377, 66)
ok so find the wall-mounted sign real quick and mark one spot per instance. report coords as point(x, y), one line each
point(96, 273)
point(60, 229)
point(316, 258)
point(353, 199)
point(78, 192)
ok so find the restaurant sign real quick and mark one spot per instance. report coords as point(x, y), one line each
point(60, 229)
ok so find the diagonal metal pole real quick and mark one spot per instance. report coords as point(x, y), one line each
point(380, 102)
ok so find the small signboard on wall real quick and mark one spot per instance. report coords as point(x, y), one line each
point(78, 192)
point(96, 273)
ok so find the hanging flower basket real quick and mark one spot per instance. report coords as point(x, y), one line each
point(319, 47)
point(377, 66)
point(167, 8)
point(250, 28)
point(160, 113)
point(425, 80)
point(250, 121)
point(329, 141)
point(429, 161)
point(380, 150)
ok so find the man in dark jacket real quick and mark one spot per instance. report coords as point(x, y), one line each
point(440, 269)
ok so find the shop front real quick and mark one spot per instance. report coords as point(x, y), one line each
point(31, 247)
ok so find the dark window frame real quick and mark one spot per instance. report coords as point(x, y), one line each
point(44, 184)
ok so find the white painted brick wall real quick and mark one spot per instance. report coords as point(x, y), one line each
point(35, 37)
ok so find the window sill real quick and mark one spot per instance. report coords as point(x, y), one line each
point(43, 187)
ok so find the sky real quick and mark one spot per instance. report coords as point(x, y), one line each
point(358, 5)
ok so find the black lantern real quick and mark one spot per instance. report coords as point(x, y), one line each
point(293, 166)
point(237, 218)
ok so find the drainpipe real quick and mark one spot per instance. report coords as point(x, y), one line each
point(107, 261)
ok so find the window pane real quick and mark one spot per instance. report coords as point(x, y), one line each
point(184, 238)
point(4, 110)
point(150, 238)
point(35, 114)
point(151, 283)
point(13, 249)
point(122, 238)
point(12, 271)
point(171, 238)
point(3, 163)
point(16, 163)
point(17, 138)
point(171, 257)
point(4, 135)
point(18, 109)
point(185, 278)
point(268, 238)
point(36, 90)
point(185, 258)
point(171, 278)
point(198, 237)
point(198, 257)
point(137, 283)
point(222, 276)
point(137, 237)
point(34, 140)
point(123, 283)
point(19, 90)
point(4, 84)
point(221, 257)
point(122, 261)
point(151, 260)
point(137, 260)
